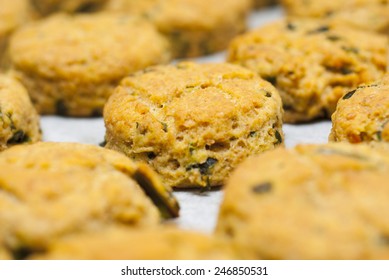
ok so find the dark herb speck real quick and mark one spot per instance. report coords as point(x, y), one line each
point(278, 137)
point(18, 137)
point(349, 94)
point(262, 188)
point(203, 167)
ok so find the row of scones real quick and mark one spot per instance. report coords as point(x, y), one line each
point(180, 125)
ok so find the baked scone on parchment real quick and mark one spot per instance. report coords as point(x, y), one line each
point(193, 123)
point(50, 190)
point(362, 115)
point(71, 64)
point(194, 27)
point(312, 63)
point(159, 243)
point(311, 202)
point(19, 121)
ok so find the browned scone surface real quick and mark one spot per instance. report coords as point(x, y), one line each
point(310, 202)
point(71, 64)
point(158, 243)
point(370, 15)
point(19, 121)
point(193, 123)
point(362, 115)
point(194, 27)
point(50, 190)
point(312, 63)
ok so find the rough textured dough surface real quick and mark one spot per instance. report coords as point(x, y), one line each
point(193, 123)
point(311, 202)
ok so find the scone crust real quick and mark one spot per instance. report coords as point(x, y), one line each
point(194, 27)
point(66, 188)
point(312, 63)
point(362, 115)
point(193, 123)
point(159, 243)
point(71, 64)
point(311, 202)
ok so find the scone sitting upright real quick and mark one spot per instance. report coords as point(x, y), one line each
point(19, 121)
point(71, 64)
point(362, 115)
point(312, 63)
point(369, 15)
point(193, 123)
point(50, 190)
point(311, 202)
point(194, 27)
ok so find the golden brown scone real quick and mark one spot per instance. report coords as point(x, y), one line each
point(194, 27)
point(19, 121)
point(159, 243)
point(312, 63)
point(311, 202)
point(13, 13)
point(362, 115)
point(71, 64)
point(193, 123)
point(370, 15)
point(45, 7)
point(50, 190)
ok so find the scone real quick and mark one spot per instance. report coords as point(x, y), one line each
point(194, 27)
point(193, 123)
point(13, 13)
point(312, 63)
point(370, 15)
point(71, 64)
point(19, 121)
point(45, 7)
point(362, 115)
point(50, 190)
point(160, 243)
point(311, 202)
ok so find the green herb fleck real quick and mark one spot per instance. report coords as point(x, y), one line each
point(320, 29)
point(349, 94)
point(18, 137)
point(252, 133)
point(278, 137)
point(203, 167)
point(379, 135)
point(61, 108)
point(290, 26)
point(262, 188)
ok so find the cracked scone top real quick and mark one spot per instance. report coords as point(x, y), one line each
point(19, 121)
point(71, 64)
point(312, 63)
point(370, 15)
point(362, 115)
point(193, 123)
point(49, 190)
point(158, 243)
point(194, 27)
point(311, 202)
